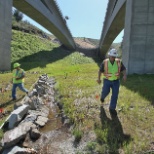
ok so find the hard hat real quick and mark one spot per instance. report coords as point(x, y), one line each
point(15, 65)
point(113, 53)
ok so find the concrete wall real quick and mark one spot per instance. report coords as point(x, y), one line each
point(5, 34)
point(138, 46)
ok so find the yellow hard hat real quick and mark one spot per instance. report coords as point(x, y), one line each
point(15, 65)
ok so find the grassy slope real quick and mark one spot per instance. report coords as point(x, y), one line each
point(114, 45)
point(76, 78)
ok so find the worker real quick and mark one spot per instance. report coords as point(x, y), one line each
point(111, 68)
point(18, 80)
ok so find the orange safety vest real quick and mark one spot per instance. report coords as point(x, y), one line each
point(112, 72)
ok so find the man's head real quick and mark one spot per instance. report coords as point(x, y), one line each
point(16, 65)
point(113, 53)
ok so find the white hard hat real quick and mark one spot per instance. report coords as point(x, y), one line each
point(113, 53)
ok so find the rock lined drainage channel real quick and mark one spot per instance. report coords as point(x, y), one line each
point(32, 113)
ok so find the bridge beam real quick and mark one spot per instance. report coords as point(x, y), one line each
point(138, 43)
point(5, 34)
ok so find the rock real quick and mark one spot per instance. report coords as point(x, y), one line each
point(37, 113)
point(17, 115)
point(19, 150)
point(13, 136)
point(30, 117)
point(41, 121)
point(30, 114)
point(14, 150)
point(26, 142)
point(44, 110)
point(34, 134)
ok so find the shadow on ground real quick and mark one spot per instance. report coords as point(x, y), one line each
point(42, 58)
point(113, 136)
point(10, 102)
point(141, 84)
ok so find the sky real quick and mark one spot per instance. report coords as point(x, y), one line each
point(86, 17)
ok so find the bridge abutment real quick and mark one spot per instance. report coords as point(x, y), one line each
point(5, 34)
point(138, 43)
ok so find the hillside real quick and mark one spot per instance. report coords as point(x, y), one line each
point(91, 125)
point(89, 43)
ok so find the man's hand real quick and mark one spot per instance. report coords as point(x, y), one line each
point(18, 78)
point(98, 81)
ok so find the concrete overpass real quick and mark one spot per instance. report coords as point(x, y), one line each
point(45, 12)
point(136, 17)
point(113, 24)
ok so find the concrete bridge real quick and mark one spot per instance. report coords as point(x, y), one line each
point(45, 12)
point(136, 17)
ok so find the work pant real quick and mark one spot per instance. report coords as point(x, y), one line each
point(114, 85)
point(21, 87)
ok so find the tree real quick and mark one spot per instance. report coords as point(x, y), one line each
point(66, 17)
point(18, 15)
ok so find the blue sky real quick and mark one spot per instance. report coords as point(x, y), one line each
point(86, 17)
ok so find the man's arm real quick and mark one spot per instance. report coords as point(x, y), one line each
point(99, 77)
point(123, 70)
point(22, 76)
point(100, 73)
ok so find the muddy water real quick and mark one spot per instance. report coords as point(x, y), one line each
point(54, 121)
point(53, 135)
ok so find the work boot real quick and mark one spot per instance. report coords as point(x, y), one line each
point(13, 99)
point(102, 101)
point(113, 113)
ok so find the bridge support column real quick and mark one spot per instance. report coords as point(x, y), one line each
point(5, 34)
point(138, 43)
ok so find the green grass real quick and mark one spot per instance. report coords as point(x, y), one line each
point(76, 75)
point(24, 44)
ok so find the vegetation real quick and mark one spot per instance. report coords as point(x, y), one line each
point(24, 26)
point(130, 133)
point(94, 41)
point(21, 46)
point(17, 15)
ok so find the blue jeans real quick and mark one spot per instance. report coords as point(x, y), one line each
point(114, 85)
point(21, 87)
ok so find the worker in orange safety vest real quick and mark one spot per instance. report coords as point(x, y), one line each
point(111, 68)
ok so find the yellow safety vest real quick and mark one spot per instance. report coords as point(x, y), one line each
point(112, 72)
point(18, 74)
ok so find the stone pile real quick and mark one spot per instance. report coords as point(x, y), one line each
point(29, 115)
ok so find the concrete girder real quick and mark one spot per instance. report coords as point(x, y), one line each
point(48, 17)
point(115, 17)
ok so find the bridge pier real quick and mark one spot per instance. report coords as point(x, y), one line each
point(5, 34)
point(138, 43)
